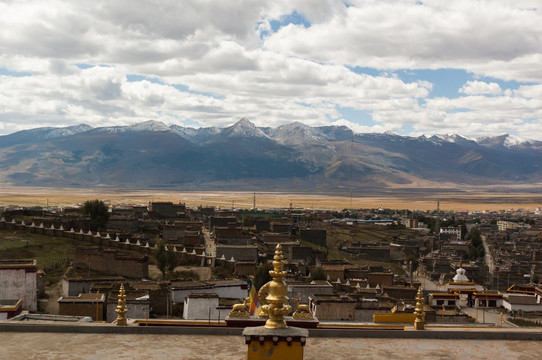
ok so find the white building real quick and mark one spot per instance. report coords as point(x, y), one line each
point(18, 281)
point(138, 306)
point(505, 225)
point(463, 287)
point(521, 302)
point(452, 230)
point(232, 289)
point(204, 306)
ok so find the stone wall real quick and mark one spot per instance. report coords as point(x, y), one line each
point(112, 262)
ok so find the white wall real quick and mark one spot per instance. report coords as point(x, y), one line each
point(19, 284)
point(135, 311)
point(526, 308)
point(198, 309)
point(232, 291)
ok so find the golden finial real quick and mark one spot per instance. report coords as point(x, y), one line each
point(121, 307)
point(277, 294)
point(418, 311)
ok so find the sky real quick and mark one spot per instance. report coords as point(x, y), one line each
point(464, 67)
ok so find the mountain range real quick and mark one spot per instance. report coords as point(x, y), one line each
point(246, 157)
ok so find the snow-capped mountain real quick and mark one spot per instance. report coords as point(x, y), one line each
point(295, 155)
point(296, 133)
point(243, 128)
point(506, 140)
point(43, 133)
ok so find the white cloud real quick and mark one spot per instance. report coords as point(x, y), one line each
point(232, 64)
point(480, 88)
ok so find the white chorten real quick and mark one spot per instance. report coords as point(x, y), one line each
point(460, 275)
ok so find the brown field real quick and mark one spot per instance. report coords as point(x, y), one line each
point(406, 199)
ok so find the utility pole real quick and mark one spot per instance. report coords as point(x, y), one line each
point(437, 225)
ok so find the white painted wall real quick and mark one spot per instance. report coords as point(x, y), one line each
point(19, 284)
point(135, 311)
point(198, 309)
point(517, 307)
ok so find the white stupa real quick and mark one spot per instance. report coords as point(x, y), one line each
point(460, 275)
point(184, 250)
point(147, 245)
point(127, 242)
point(232, 259)
point(22, 223)
point(194, 252)
point(61, 228)
point(138, 243)
point(98, 234)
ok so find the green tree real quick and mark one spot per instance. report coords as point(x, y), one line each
point(475, 237)
point(463, 231)
point(415, 261)
point(98, 213)
point(262, 275)
point(172, 261)
point(161, 257)
point(476, 246)
point(318, 274)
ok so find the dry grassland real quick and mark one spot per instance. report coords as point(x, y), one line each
point(406, 199)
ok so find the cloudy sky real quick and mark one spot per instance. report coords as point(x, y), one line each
point(410, 67)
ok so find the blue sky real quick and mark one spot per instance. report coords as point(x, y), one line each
point(407, 67)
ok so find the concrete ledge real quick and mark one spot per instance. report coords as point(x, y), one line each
point(407, 333)
point(443, 334)
point(110, 329)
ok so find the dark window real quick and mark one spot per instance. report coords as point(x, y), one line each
point(440, 302)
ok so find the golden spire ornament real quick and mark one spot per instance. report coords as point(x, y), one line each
point(121, 307)
point(277, 298)
point(418, 311)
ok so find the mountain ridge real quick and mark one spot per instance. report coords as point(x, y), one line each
point(153, 154)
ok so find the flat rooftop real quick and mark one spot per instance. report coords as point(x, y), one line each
point(196, 347)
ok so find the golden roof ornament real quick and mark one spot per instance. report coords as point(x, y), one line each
point(277, 298)
point(241, 310)
point(302, 311)
point(418, 311)
point(121, 307)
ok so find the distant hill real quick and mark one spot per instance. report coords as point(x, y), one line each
point(243, 156)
